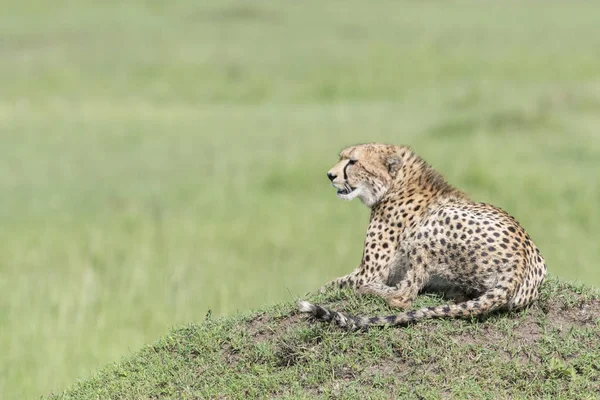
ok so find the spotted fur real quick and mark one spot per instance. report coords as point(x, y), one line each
point(426, 235)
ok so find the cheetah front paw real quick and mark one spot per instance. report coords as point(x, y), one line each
point(401, 303)
point(371, 289)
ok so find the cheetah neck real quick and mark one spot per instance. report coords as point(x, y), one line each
point(415, 191)
point(419, 179)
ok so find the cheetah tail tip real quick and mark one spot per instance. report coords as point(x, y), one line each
point(306, 307)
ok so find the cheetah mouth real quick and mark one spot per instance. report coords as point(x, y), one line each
point(347, 189)
point(347, 192)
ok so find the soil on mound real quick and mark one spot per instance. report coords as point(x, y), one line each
point(547, 351)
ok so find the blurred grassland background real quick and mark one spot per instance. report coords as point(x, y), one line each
point(159, 159)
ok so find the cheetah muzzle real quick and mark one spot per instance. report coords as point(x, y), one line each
point(426, 234)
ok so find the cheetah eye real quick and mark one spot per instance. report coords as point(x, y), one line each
point(351, 162)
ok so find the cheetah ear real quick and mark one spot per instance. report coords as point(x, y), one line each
point(393, 164)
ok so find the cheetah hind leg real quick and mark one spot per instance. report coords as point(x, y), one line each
point(399, 296)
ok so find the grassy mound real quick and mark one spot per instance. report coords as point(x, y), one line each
point(548, 351)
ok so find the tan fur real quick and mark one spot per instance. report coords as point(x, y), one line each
point(423, 233)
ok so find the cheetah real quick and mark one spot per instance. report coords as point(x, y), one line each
point(426, 235)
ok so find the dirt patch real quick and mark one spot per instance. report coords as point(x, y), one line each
point(264, 327)
point(521, 340)
point(578, 316)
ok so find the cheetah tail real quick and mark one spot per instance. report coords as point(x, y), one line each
point(469, 308)
point(323, 314)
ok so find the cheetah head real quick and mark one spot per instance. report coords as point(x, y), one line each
point(365, 171)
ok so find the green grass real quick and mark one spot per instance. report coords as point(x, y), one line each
point(549, 351)
point(160, 159)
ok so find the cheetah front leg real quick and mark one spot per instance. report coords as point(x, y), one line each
point(361, 277)
point(349, 280)
point(377, 260)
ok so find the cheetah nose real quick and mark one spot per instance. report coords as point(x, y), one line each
point(331, 176)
